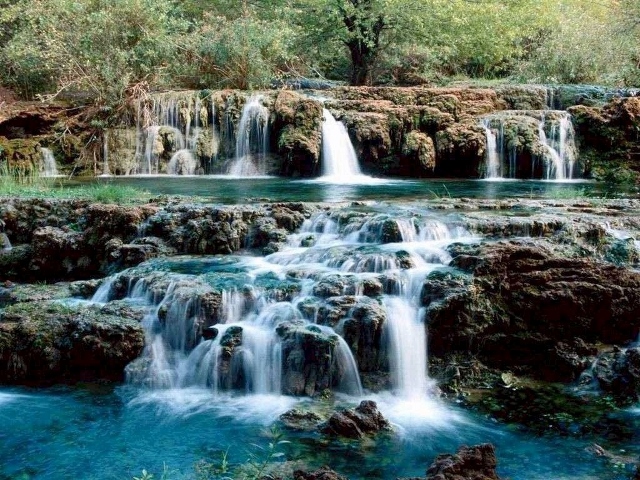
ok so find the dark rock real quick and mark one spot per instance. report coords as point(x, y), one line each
point(469, 463)
point(308, 359)
point(365, 419)
point(530, 310)
point(45, 343)
point(618, 373)
point(324, 473)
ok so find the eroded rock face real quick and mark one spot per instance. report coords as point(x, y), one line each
point(469, 463)
point(307, 359)
point(607, 136)
point(549, 310)
point(56, 240)
point(44, 343)
point(299, 130)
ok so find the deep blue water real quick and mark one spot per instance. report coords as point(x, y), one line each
point(92, 434)
point(228, 190)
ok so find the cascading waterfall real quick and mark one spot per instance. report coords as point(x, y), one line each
point(252, 140)
point(171, 129)
point(267, 340)
point(49, 167)
point(552, 155)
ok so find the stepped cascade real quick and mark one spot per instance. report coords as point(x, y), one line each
point(530, 144)
point(172, 122)
point(181, 133)
point(49, 167)
point(341, 299)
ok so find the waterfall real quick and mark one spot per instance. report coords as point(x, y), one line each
point(492, 157)
point(172, 134)
point(284, 323)
point(339, 159)
point(105, 155)
point(49, 167)
point(252, 140)
point(182, 163)
point(552, 154)
point(5, 244)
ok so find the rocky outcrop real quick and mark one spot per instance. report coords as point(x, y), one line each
point(56, 240)
point(548, 310)
point(308, 357)
point(356, 423)
point(618, 373)
point(608, 138)
point(298, 127)
point(469, 463)
point(44, 343)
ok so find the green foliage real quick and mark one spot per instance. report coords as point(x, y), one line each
point(261, 460)
point(32, 185)
point(114, 44)
point(246, 52)
point(119, 47)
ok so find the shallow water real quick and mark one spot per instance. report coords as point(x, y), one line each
point(113, 434)
point(75, 433)
point(230, 190)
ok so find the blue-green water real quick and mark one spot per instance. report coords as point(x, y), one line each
point(229, 190)
point(91, 434)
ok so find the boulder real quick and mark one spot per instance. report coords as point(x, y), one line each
point(618, 373)
point(308, 359)
point(365, 419)
point(469, 463)
point(43, 343)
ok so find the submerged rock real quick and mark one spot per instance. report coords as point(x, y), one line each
point(469, 463)
point(324, 473)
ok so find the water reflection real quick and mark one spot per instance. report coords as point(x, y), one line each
point(229, 190)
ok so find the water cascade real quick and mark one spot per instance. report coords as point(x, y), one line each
point(5, 244)
point(339, 160)
point(294, 322)
point(530, 144)
point(105, 155)
point(252, 140)
point(49, 167)
point(492, 157)
point(175, 134)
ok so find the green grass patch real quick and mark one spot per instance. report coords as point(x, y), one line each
point(37, 187)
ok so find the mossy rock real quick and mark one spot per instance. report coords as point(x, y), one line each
point(43, 343)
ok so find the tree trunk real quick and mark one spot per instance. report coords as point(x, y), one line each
point(364, 40)
point(361, 64)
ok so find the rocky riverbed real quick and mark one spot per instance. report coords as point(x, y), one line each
point(532, 313)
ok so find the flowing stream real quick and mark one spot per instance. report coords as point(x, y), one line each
point(234, 341)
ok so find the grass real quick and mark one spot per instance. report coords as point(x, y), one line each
point(34, 186)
